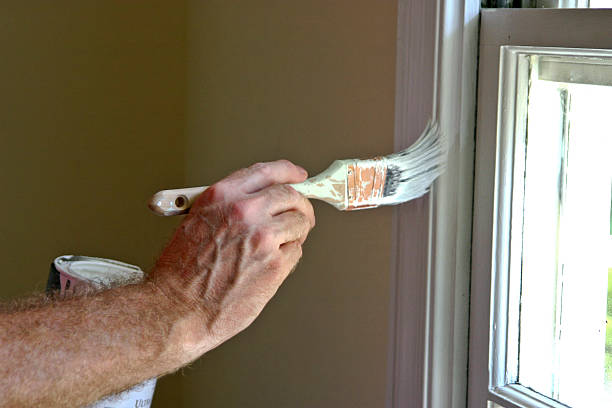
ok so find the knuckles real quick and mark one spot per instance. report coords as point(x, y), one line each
point(298, 251)
point(283, 192)
point(261, 168)
point(268, 169)
point(263, 240)
point(238, 211)
point(285, 163)
point(291, 192)
point(215, 193)
point(276, 264)
point(245, 210)
point(277, 270)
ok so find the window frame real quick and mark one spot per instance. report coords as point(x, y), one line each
point(519, 30)
point(512, 120)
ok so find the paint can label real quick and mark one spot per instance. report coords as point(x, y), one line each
point(72, 274)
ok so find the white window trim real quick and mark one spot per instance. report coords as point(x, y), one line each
point(511, 114)
point(488, 379)
point(516, 396)
point(432, 236)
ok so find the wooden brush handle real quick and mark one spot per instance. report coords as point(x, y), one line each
point(329, 186)
point(174, 202)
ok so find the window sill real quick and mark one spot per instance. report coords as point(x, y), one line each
point(523, 397)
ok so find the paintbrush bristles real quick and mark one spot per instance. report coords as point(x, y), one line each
point(398, 177)
point(411, 172)
point(356, 184)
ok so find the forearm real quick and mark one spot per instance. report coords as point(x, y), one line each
point(241, 239)
point(72, 352)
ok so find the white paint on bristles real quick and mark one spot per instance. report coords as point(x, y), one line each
point(417, 166)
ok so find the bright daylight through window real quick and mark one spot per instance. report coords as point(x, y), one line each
point(561, 240)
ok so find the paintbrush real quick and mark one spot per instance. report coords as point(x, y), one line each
point(352, 184)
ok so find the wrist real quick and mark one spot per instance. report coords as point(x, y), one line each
point(187, 336)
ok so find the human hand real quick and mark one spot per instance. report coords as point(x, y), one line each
point(241, 239)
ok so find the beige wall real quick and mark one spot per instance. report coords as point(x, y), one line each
point(91, 120)
point(104, 102)
point(311, 81)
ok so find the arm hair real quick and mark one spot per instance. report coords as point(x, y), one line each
point(71, 352)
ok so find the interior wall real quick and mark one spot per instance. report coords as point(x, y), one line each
point(104, 103)
point(92, 99)
point(310, 81)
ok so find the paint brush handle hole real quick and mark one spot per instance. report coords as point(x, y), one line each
point(180, 201)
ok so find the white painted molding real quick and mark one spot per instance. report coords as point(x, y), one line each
point(436, 77)
point(449, 274)
point(416, 34)
point(517, 396)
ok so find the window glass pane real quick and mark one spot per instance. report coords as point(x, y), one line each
point(600, 3)
point(561, 234)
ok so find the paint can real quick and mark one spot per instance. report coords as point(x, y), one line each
point(72, 274)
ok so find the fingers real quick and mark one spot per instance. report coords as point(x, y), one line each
point(287, 213)
point(290, 226)
point(280, 198)
point(250, 180)
point(291, 252)
point(262, 175)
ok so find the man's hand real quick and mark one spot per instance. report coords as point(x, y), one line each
point(241, 239)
